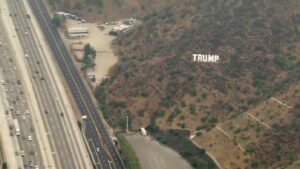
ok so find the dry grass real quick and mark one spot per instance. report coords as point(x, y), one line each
point(223, 149)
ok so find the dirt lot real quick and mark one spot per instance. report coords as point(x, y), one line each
point(100, 41)
point(152, 154)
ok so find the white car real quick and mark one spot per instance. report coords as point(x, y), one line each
point(22, 153)
point(31, 163)
point(24, 117)
point(29, 138)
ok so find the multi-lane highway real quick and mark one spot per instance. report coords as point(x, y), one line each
point(101, 147)
point(64, 144)
point(17, 109)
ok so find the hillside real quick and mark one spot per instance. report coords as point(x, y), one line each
point(158, 85)
point(108, 10)
point(245, 108)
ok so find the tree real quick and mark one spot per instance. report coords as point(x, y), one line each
point(89, 50)
point(58, 20)
point(89, 56)
point(4, 165)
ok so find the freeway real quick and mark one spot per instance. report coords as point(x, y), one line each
point(64, 143)
point(17, 107)
point(103, 152)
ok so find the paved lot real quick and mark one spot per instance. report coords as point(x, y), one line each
point(152, 154)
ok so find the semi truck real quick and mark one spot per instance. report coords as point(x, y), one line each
point(17, 127)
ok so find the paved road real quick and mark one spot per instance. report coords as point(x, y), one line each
point(63, 143)
point(105, 155)
point(16, 105)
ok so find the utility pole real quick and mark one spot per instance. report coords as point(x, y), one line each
point(127, 124)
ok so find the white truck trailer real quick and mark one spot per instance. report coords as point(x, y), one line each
point(17, 127)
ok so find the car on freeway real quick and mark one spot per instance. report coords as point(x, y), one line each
point(31, 163)
point(29, 138)
point(22, 153)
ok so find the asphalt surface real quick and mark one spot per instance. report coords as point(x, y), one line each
point(103, 152)
point(61, 136)
point(17, 107)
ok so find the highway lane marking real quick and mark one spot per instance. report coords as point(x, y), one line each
point(96, 153)
point(109, 163)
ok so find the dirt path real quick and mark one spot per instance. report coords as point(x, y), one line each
point(281, 103)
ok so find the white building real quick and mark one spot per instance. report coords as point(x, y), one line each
point(78, 32)
point(143, 131)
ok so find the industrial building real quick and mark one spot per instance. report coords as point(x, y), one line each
point(77, 32)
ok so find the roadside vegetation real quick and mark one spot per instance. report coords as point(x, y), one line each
point(4, 165)
point(129, 157)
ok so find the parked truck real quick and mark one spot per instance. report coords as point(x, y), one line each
point(17, 127)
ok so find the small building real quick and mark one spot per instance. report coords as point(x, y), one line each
point(143, 131)
point(78, 32)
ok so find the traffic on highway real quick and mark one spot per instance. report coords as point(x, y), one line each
point(61, 133)
point(40, 118)
point(17, 111)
